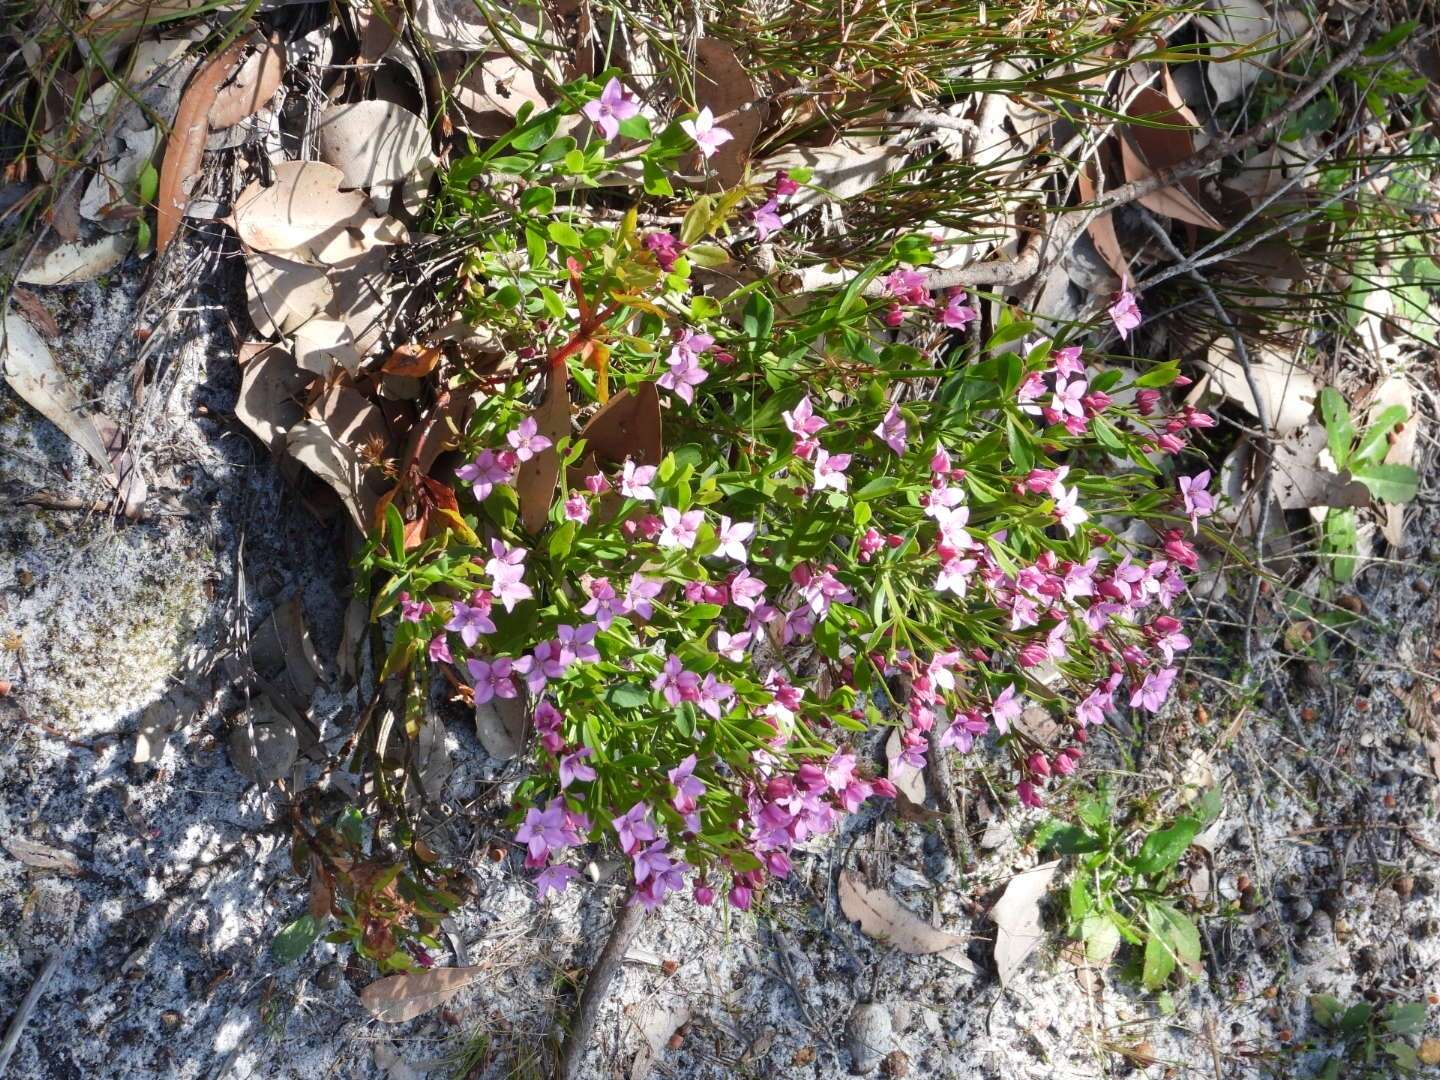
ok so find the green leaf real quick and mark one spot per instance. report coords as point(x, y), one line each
point(1208, 807)
point(1339, 429)
point(1389, 483)
point(1179, 931)
point(758, 319)
point(294, 940)
point(635, 127)
point(876, 488)
point(1326, 1009)
point(147, 185)
point(1340, 541)
point(1408, 1019)
point(562, 539)
point(627, 696)
point(1403, 1055)
point(1080, 902)
point(1356, 1018)
point(1021, 452)
point(538, 200)
point(1376, 438)
point(1101, 937)
point(563, 234)
point(1160, 375)
point(707, 255)
point(1157, 964)
point(656, 182)
point(1071, 840)
point(1162, 850)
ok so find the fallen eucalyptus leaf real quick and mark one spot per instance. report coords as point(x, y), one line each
point(398, 998)
point(284, 294)
point(270, 387)
point(724, 86)
point(303, 215)
point(838, 172)
point(253, 87)
point(70, 262)
point(263, 746)
point(320, 344)
point(40, 856)
point(884, 918)
point(372, 142)
point(310, 443)
point(33, 374)
point(185, 148)
point(500, 725)
point(1017, 919)
point(1287, 390)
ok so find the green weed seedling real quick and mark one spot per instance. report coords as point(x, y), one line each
point(1366, 1041)
point(1117, 896)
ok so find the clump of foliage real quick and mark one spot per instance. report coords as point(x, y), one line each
point(733, 537)
point(1366, 1041)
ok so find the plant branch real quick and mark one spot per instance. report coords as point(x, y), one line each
point(572, 1054)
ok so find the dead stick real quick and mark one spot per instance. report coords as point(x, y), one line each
point(22, 1015)
point(632, 913)
point(1027, 260)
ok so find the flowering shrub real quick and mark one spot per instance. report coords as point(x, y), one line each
point(804, 528)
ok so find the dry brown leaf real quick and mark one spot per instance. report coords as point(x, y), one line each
point(1429, 1052)
point(628, 425)
point(284, 294)
point(536, 479)
point(1288, 391)
point(398, 998)
point(1144, 151)
point(263, 745)
point(255, 84)
point(310, 443)
point(35, 311)
point(1302, 479)
point(30, 369)
point(431, 758)
point(106, 198)
point(185, 148)
point(415, 360)
point(353, 418)
point(270, 388)
point(40, 856)
point(304, 215)
point(372, 142)
point(724, 86)
point(322, 343)
point(1017, 919)
point(489, 89)
point(884, 918)
point(1102, 229)
point(70, 262)
point(362, 289)
point(500, 725)
point(452, 24)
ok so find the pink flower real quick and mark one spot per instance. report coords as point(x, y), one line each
point(963, 729)
point(684, 374)
point(1028, 794)
point(732, 646)
point(1198, 502)
point(596, 483)
point(1067, 400)
point(635, 481)
point(525, 440)
point(767, 221)
point(1068, 512)
point(471, 620)
point(492, 679)
point(746, 590)
point(680, 529)
point(577, 509)
point(830, 470)
point(634, 828)
point(707, 136)
point(1031, 389)
point(955, 576)
point(784, 186)
point(957, 314)
point(1168, 637)
point(612, 106)
point(604, 603)
point(573, 767)
point(1146, 400)
point(546, 831)
point(540, 665)
point(665, 248)
point(439, 650)
point(688, 787)
point(822, 589)
point(893, 432)
point(1068, 362)
point(675, 683)
point(1006, 708)
point(1125, 313)
point(640, 592)
point(802, 421)
point(487, 470)
point(576, 643)
point(907, 285)
point(1151, 694)
point(547, 722)
point(733, 535)
point(413, 610)
point(714, 696)
point(554, 878)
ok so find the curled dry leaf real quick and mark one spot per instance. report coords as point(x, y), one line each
point(372, 142)
point(271, 384)
point(452, 24)
point(1146, 151)
point(657, 1021)
point(33, 374)
point(254, 85)
point(1304, 475)
point(500, 725)
point(40, 856)
point(1102, 229)
point(284, 294)
point(321, 343)
point(304, 215)
point(1017, 919)
point(310, 443)
point(70, 262)
point(489, 89)
point(353, 418)
point(1287, 390)
point(398, 998)
point(362, 288)
point(536, 479)
point(185, 147)
point(884, 918)
point(415, 360)
point(263, 746)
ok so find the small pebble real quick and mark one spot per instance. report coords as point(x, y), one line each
point(867, 1036)
point(1302, 910)
point(1404, 885)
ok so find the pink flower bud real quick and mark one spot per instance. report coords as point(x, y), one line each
point(1146, 400)
point(1037, 765)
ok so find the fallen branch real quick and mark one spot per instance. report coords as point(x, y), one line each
point(572, 1054)
point(22, 1014)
